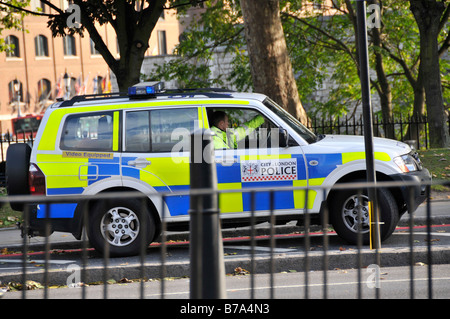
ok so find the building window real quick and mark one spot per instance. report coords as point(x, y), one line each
point(98, 80)
point(162, 43)
point(15, 91)
point(13, 42)
point(41, 6)
point(41, 45)
point(37, 6)
point(69, 46)
point(93, 49)
point(44, 90)
point(117, 46)
point(317, 5)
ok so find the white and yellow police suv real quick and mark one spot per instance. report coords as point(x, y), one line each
point(137, 143)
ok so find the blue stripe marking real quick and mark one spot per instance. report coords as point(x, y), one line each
point(104, 169)
point(282, 199)
point(229, 174)
point(64, 210)
point(65, 191)
point(177, 204)
point(327, 164)
point(130, 172)
point(301, 170)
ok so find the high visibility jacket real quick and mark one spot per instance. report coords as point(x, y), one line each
point(231, 137)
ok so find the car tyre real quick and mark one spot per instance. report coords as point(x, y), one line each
point(16, 171)
point(344, 213)
point(121, 224)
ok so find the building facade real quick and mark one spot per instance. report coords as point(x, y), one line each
point(42, 68)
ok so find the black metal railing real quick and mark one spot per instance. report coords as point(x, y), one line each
point(199, 252)
point(312, 252)
point(413, 129)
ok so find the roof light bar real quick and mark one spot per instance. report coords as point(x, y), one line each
point(145, 88)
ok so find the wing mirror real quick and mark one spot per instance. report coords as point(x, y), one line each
point(283, 137)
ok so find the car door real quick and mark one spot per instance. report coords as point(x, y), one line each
point(156, 152)
point(258, 162)
point(86, 155)
point(90, 149)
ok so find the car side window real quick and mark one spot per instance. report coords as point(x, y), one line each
point(245, 128)
point(88, 132)
point(158, 130)
point(137, 135)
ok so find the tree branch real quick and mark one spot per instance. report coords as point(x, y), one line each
point(100, 45)
point(183, 4)
point(408, 73)
point(445, 45)
point(445, 18)
point(341, 44)
point(51, 5)
point(150, 15)
point(27, 11)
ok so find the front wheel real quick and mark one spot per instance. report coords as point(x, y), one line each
point(349, 212)
point(121, 224)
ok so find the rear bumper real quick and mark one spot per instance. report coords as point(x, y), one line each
point(37, 224)
point(414, 193)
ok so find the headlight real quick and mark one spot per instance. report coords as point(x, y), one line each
point(406, 163)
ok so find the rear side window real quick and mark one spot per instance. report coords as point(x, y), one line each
point(88, 132)
point(158, 130)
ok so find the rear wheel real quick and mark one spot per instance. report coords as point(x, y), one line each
point(16, 171)
point(121, 224)
point(349, 212)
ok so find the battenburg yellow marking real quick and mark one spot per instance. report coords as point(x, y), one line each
point(353, 156)
point(94, 155)
point(116, 131)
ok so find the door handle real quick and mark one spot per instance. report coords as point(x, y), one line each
point(139, 163)
point(226, 161)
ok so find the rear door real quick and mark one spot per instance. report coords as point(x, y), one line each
point(85, 154)
point(156, 152)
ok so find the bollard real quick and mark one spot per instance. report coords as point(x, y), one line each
point(206, 249)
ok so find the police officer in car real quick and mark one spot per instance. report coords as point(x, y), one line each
point(226, 138)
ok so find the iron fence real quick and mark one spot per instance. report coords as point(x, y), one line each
point(412, 129)
point(5, 141)
point(200, 255)
point(307, 254)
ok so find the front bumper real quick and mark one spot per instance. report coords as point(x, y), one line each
point(414, 193)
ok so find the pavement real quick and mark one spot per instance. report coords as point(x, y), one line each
point(177, 264)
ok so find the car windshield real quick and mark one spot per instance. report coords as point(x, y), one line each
point(298, 127)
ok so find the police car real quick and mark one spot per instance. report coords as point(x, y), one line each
point(92, 145)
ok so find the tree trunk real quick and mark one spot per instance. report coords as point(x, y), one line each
point(128, 68)
point(133, 30)
point(428, 14)
point(384, 91)
point(415, 130)
point(270, 64)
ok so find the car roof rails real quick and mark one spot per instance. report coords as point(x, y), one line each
point(149, 90)
point(87, 97)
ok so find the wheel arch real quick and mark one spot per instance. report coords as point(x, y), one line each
point(361, 175)
point(77, 230)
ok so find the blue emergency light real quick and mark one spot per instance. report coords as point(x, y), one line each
point(145, 89)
